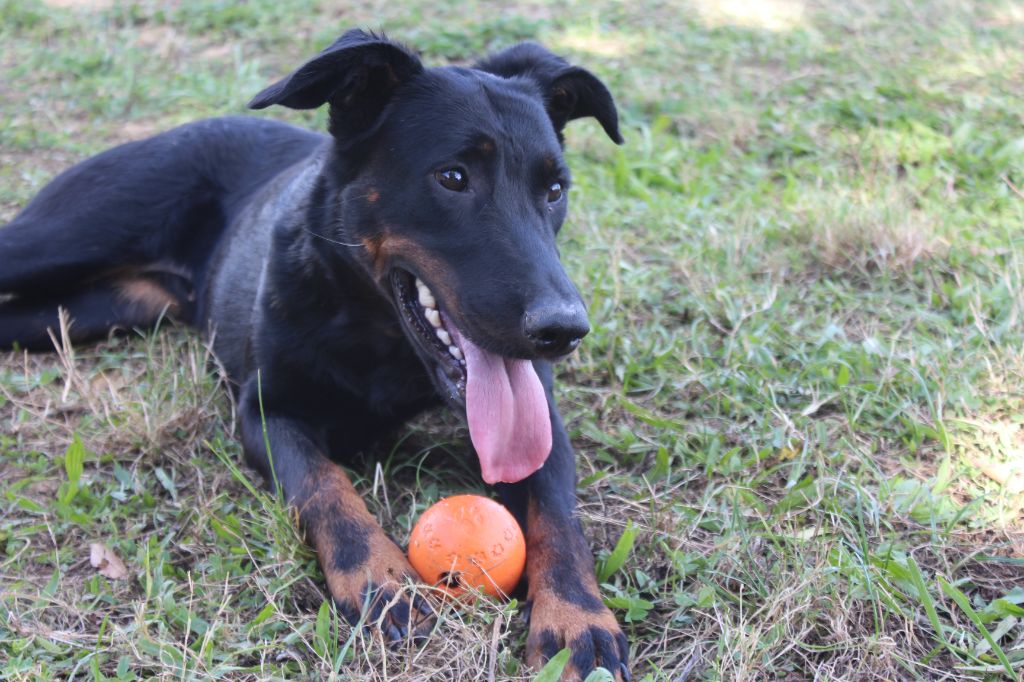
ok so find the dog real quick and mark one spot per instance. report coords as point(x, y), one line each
point(350, 281)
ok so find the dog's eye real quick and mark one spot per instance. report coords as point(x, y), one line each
point(453, 179)
point(555, 192)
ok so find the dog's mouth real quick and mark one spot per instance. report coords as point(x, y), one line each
point(426, 325)
point(506, 407)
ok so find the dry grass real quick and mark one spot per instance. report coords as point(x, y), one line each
point(866, 231)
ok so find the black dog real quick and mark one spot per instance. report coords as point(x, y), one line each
point(348, 283)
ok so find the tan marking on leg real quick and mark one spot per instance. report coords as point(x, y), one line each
point(550, 613)
point(541, 559)
point(384, 567)
point(568, 623)
point(150, 296)
point(386, 564)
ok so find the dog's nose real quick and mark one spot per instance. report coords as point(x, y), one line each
point(555, 330)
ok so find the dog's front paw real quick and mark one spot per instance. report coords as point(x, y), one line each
point(592, 634)
point(376, 590)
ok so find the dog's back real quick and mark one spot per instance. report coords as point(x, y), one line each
point(123, 236)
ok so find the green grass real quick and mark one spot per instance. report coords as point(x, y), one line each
point(799, 416)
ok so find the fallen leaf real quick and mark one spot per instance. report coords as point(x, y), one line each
point(106, 562)
point(1010, 474)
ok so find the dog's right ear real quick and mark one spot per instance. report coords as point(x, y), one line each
point(357, 74)
point(570, 92)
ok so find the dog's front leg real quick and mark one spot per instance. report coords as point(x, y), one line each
point(363, 568)
point(566, 607)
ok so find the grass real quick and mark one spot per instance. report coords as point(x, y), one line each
point(802, 402)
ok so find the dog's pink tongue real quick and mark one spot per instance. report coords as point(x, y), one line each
point(508, 414)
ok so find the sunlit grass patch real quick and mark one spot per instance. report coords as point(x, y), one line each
point(865, 232)
point(772, 15)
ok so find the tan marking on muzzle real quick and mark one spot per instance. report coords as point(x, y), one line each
point(387, 248)
point(372, 246)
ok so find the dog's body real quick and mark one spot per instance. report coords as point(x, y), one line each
point(349, 282)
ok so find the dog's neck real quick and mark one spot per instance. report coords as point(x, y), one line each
point(310, 269)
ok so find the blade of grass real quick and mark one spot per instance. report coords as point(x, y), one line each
point(552, 670)
point(917, 578)
point(619, 555)
point(965, 605)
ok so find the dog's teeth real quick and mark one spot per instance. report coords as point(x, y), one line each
point(454, 350)
point(433, 317)
point(444, 336)
point(425, 295)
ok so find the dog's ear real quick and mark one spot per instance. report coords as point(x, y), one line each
point(357, 74)
point(570, 92)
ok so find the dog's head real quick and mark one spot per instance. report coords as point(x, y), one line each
point(450, 187)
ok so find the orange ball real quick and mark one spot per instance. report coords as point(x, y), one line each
point(468, 541)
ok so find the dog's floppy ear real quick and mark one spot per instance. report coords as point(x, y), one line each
point(570, 92)
point(356, 74)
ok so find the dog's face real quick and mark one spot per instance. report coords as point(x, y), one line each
point(463, 194)
point(453, 189)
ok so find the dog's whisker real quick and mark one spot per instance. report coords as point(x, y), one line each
point(327, 239)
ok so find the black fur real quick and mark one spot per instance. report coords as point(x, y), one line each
point(291, 248)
